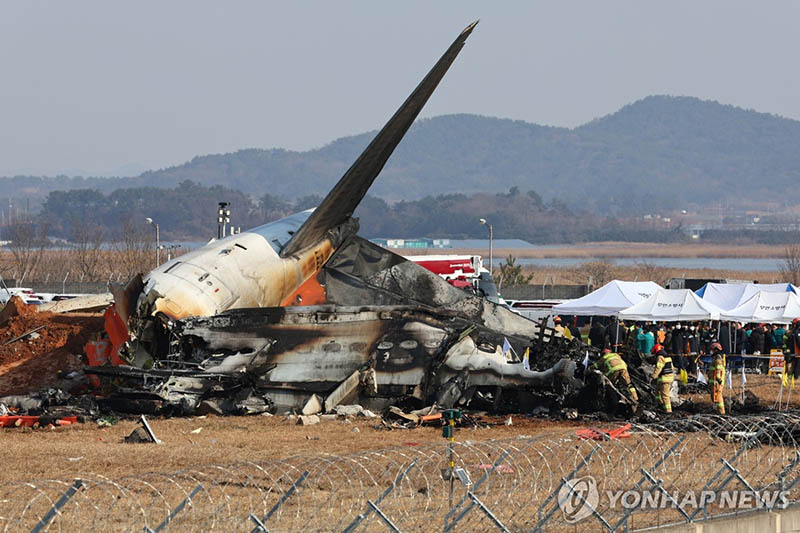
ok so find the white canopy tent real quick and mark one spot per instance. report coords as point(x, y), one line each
point(729, 295)
point(765, 306)
point(609, 299)
point(672, 305)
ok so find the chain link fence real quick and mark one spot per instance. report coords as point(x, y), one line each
point(65, 285)
point(542, 483)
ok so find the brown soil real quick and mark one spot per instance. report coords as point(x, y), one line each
point(222, 440)
point(33, 362)
point(765, 387)
point(69, 451)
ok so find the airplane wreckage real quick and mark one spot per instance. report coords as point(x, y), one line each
point(302, 307)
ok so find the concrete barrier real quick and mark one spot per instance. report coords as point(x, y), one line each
point(785, 521)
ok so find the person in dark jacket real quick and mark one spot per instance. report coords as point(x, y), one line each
point(741, 340)
point(677, 344)
point(793, 338)
point(693, 341)
point(597, 334)
point(616, 334)
point(767, 339)
point(677, 347)
point(573, 327)
point(792, 356)
point(757, 340)
point(725, 337)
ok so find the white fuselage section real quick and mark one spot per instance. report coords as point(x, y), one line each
point(239, 271)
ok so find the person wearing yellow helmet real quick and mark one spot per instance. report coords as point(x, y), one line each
point(716, 375)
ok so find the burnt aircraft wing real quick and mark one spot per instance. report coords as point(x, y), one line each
point(343, 199)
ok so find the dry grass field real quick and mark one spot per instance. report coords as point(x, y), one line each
point(557, 275)
point(119, 264)
point(605, 250)
point(68, 451)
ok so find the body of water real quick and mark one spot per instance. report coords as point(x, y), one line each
point(498, 243)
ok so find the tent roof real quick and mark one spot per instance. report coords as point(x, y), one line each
point(729, 295)
point(765, 306)
point(672, 305)
point(609, 299)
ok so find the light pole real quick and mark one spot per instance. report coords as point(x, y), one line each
point(223, 219)
point(491, 243)
point(158, 241)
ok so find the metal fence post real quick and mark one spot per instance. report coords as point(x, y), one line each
point(646, 476)
point(726, 465)
point(62, 501)
point(260, 527)
point(488, 513)
point(543, 519)
point(374, 506)
point(456, 519)
point(175, 512)
point(383, 517)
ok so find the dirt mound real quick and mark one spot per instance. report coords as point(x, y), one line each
point(49, 342)
point(16, 306)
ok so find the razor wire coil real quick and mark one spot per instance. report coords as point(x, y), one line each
point(684, 454)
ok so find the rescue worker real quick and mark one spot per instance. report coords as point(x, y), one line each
point(614, 368)
point(664, 376)
point(564, 331)
point(717, 376)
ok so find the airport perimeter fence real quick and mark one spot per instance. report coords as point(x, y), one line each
point(63, 285)
point(545, 291)
point(552, 482)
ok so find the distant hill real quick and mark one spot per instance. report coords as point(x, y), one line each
point(662, 150)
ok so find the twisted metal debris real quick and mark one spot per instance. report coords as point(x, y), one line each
point(514, 484)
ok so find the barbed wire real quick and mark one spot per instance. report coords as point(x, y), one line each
point(521, 474)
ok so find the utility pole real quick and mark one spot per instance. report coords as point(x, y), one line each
point(491, 243)
point(223, 219)
point(158, 240)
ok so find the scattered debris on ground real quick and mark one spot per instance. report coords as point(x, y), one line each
point(41, 349)
point(42, 374)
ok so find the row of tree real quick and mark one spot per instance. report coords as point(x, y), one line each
point(188, 212)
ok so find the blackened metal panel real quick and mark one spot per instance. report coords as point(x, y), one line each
point(363, 273)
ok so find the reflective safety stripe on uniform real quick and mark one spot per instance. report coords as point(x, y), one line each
point(717, 398)
point(613, 363)
point(717, 373)
point(621, 379)
point(666, 374)
point(664, 389)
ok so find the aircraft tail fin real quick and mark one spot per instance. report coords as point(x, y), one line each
point(341, 202)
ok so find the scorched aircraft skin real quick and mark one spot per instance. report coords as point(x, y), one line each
point(265, 266)
point(303, 305)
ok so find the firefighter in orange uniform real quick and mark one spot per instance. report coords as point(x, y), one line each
point(716, 375)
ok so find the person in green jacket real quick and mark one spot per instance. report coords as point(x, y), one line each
point(645, 340)
point(615, 369)
point(778, 337)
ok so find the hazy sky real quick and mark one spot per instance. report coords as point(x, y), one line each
point(100, 87)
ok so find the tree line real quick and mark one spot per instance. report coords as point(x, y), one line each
point(188, 213)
